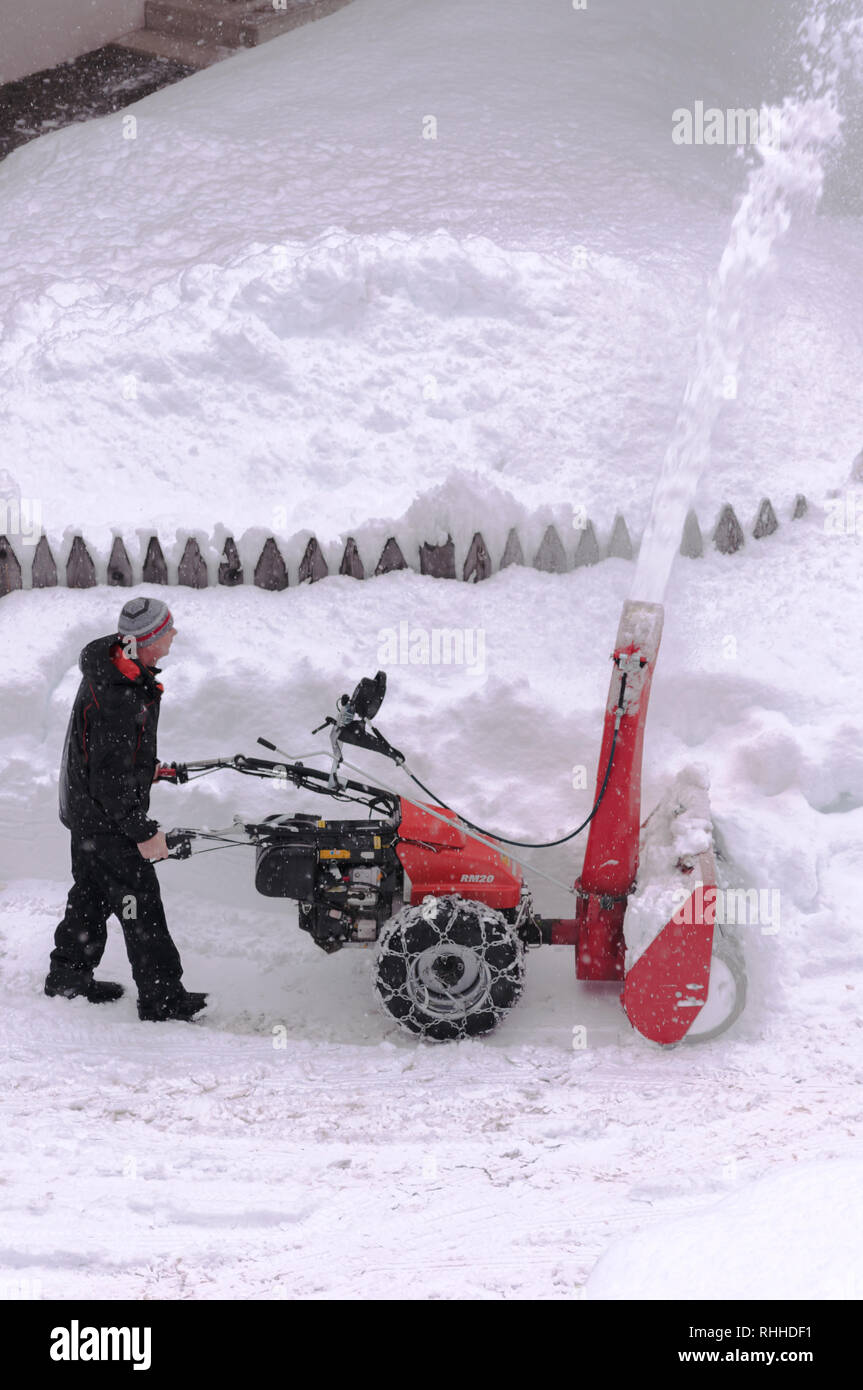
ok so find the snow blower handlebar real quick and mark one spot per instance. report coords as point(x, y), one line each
point(180, 840)
point(297, 773)
point(350, 726)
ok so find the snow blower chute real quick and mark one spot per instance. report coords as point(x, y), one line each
point(445, 904)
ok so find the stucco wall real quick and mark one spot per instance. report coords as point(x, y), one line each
point(37, 34)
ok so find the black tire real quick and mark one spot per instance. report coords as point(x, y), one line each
point(449, 968)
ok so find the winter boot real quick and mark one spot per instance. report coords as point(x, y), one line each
point(180, 1007)
point(96, 991)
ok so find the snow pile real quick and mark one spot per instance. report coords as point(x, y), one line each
point(795, 1233)
point(332, 381)
point(282, 306)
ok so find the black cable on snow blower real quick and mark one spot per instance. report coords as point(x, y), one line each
point(544, 844)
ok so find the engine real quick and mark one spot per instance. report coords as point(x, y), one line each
point(345, 875)
point(350, 877)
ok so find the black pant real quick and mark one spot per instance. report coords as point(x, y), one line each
point(111, 875)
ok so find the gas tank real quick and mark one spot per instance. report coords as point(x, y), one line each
point(449, 861)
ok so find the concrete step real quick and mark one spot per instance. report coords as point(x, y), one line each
point(232, 23)
point(194, 53)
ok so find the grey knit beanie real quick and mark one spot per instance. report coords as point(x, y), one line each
point(145, 619)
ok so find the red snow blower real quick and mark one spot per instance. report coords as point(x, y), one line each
point(445, 903)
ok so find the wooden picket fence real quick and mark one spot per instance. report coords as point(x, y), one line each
point(438, 561)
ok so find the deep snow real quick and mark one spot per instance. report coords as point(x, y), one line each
point(208, 1162)
point(294, 1143)
point(279, 280)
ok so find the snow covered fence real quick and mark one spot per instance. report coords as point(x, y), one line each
point(271, 571)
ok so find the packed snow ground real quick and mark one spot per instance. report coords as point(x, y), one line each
point(280, 296)
point(294, 1143)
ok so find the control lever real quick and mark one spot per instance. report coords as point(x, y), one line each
point(179, 843)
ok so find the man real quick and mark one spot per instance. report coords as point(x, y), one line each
point(109, 764)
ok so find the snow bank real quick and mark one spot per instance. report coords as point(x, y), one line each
point(795, 1233)
point(280, 306)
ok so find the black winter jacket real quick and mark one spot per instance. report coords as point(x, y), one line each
point(109, 756)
